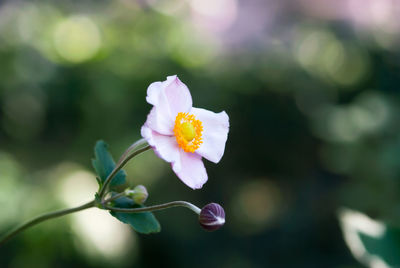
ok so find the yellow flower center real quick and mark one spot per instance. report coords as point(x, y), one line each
point(188, 132)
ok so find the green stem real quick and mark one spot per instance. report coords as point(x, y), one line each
point(42, 218)
point(131, 148)
point(117, 168)
point(113, 198)
point(157, 207)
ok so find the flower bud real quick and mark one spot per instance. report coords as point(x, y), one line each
point(138, 194)
point(212, 217)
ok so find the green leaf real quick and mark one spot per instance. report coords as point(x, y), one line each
point(142, 222)
point(370, 240)
point(104, 164)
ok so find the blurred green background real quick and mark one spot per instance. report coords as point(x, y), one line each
point(311, 88)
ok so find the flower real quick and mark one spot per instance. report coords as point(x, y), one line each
point(181, 134)
point(212, 217)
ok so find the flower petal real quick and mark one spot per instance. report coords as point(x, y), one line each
point(169, 97)
point(215, 133)
point(165, 147)
point(190, 170)
point(178, 97)
point(160, 122)
point(154, 90)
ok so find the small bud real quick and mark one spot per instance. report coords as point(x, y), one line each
point(212, 217)
point(138, 194)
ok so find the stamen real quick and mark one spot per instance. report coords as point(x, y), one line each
point(188, 132)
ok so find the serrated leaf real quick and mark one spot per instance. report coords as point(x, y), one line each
point(104, 164)
point(370, 240)
point(142, 222)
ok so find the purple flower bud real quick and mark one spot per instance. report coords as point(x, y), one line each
point(212, 217)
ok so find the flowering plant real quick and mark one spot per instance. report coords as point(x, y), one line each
point(178, 133)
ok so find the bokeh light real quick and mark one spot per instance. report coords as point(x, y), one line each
point(98, 234)
point(77, 39)
point(11, 186)
point(256, 205)
point(353, 224)
point(323, 55)
point(168, 7)
point(216, 15)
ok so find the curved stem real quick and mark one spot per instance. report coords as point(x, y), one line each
point(130, 149)
point(157, 207)
point(120, 165)
point(42, 218)
point(105, 201)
